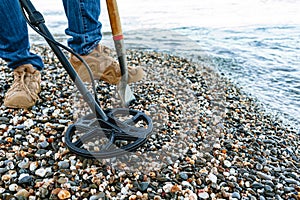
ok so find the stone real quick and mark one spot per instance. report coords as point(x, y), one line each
point(144, 186)
point(289, 189)
point(183, 175)
point(13, 187)
point(40, 172)
point(64, 194)
point(227, 163)
point(236, 195)
point(257, 185)
point(264, 176)
point(22, 193)
point(213, 178)
point(63, 165)
point(26, 180)
point(203, 195)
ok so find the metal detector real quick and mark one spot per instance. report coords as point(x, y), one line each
point(123, 130)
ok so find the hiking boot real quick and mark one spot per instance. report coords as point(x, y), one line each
point(104, 67)
point(24, 91)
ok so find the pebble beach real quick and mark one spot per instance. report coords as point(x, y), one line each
point(210, 140)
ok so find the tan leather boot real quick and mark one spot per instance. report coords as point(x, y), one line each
point(24, 91)
point(104, 67)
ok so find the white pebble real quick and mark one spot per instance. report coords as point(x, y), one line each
point(124, 190)
point(10, 165)
point(227, 163)
point(167, 187)
point(31, 198)
point(217, 146)
point(3, 126)
point(213, 178)
point(24, 163)
point(2, 190)
point(40, 172)
point(203, 195)
point(29, 123)
point(33, 166)
point(13, 187)
point(15, 120)
point(226, 174)
point(247, 184)
point(232, 171)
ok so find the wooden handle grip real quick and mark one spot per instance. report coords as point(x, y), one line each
point(114, 17)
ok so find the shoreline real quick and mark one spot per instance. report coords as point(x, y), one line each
point(215, 141)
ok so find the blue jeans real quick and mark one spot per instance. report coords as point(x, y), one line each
point(83, 27)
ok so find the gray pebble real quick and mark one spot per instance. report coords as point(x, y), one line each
point(101, 195)
point(259, 166)
point(277, 197)
point(144, 186)
point(289, 189)
point(264, 176)
point(41, 152)
point(236, 195)
point(26, 180)
point(3, 170)
point(43, 144)
point(183, 176)
point(262, 198)
point(63, 164)
point(268, 188)
point(257, 185)
point(4, 119)
point(270, 183)
point(20, 127)
point(291, 181)
point(277, 169)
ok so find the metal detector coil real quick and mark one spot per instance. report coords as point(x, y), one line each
point(122, 133)
point(115, 132)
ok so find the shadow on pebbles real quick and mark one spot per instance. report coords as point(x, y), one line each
point(210, 141)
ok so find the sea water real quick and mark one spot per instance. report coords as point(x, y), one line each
point(255, 43)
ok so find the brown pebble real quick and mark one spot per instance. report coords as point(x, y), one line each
point(64, 194)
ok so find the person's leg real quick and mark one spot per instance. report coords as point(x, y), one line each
point(85, 31)
point(14, 41)
point(14, 49)
point(83, 25)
